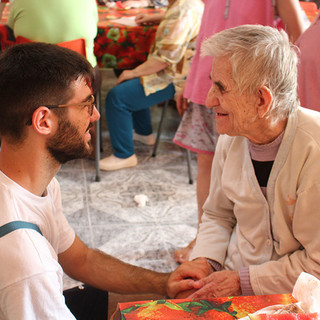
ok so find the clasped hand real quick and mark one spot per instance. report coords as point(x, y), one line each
point(196, 280)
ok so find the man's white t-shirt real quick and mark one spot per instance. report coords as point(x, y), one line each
point(30, 276)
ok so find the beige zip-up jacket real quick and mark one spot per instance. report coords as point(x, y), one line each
point(277, 236)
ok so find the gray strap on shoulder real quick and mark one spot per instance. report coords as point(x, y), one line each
point(14, 225)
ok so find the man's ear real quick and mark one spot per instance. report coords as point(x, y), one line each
point(43, 121)
point(265, 100)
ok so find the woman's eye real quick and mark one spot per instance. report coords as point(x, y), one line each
point(220, 88)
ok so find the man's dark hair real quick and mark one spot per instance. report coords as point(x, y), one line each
point(35, 74)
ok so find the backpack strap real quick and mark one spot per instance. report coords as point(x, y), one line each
point(14, 225)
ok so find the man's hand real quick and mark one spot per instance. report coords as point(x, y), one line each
point(181, 102)
point(218, 284)
point(183, 278)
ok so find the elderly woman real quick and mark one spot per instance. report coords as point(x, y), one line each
point(154, 81)
point(260, 227)
point(191, 99)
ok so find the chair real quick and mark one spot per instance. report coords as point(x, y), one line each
point(154, 152)
point(79, 45)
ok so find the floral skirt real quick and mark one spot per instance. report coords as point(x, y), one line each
point(197, 130)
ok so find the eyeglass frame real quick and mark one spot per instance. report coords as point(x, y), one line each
point(90, 104)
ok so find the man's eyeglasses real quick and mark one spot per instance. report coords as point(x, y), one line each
point(90, 104)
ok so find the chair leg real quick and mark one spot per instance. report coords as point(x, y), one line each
point(98, 138)
point(189, 166)
point(164, 109)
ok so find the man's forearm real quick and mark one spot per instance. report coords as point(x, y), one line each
point(109, 273)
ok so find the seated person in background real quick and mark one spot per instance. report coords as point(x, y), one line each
point(46, 111)
point(260, 227)
point(55, 21)
point(152, 82)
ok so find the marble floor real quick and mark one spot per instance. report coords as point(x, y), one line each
point(105, 215)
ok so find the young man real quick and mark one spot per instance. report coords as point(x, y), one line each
point(46, 112)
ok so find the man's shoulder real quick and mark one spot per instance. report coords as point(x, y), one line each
point(27, 254)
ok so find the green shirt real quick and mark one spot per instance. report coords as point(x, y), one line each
point(55, 21)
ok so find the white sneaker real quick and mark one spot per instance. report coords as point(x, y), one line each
point(112, 163)
point(147, 140)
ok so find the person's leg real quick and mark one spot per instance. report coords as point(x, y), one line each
point(125, 101)
point(142, 122)
point(197, 132)
point(119, 118)
point(140, 125)
point(87, 303)
point(204, 162)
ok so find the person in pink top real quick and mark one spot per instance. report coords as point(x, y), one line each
point(197, 130)
point(309, 66)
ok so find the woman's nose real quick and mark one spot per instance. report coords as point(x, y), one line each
point(212, 99)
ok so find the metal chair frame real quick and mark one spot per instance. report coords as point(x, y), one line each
point(154, 152)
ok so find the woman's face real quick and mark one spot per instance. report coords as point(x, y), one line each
point(236, 113)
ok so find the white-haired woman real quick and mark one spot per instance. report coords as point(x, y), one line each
point(197, 131)
point(259, 229)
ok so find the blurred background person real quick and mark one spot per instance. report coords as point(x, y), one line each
point(55, 21)
point(152, 82)
point(309, 66)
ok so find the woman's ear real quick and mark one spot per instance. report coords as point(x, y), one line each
point(265, 101)
point(43, 121)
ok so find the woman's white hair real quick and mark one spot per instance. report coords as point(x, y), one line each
point(260, 56)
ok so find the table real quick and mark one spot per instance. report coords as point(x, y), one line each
point(119, 46)
point(217, 308)
point(116, 46)
point(310, 8)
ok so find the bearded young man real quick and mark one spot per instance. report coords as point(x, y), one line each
point(46, 112)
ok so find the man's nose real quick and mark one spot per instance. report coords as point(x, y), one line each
point(95, 115)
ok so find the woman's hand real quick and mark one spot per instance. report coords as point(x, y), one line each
point(143, 19)
point(126, 75)
point(181, 102)
point(181, 281)
point(218, 284)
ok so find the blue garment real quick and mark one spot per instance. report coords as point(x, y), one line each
point(127, 108)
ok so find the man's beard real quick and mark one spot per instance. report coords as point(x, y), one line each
point(67, 144)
